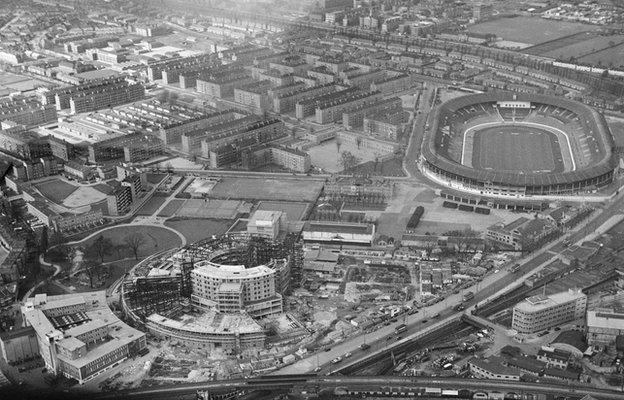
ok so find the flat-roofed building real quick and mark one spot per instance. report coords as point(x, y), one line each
point(338, 232)
point(24, 144)
point(492, 368)
point(266, 224)
point(97, 94)
point(254, 95)
point(78, 335)
point(604, 325)
point(291, 159)
point(522, 233)
point(354, 118)
point(541, 312)
point(222, 85)
point(19, 345)
point(286, 99)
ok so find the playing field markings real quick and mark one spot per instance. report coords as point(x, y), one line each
point(545, 127)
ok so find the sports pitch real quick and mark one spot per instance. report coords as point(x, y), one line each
point(517, 149)
point(267, 189)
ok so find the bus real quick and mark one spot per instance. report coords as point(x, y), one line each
point(468, 296)
point(400, 329)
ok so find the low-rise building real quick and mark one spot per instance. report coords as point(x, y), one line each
point(604, 325)
point(521, 234)
point(492, 368)
point(338, 232)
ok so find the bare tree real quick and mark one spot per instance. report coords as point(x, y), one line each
point(99, 249)
point(134, 241)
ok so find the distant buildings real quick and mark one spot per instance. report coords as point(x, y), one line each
point(541, 312)
point(95, 95)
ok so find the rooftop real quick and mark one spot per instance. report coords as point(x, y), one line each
point(210, 322)
point(493, 365)
point(605, 318)
point(541, 302)
point(338, 227)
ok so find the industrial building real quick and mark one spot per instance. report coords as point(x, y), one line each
point(604, 325)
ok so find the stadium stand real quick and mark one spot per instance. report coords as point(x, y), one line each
point(590, 141)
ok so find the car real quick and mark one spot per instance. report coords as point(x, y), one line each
point(365, 346)
point(437, 315)
point(496, 271)
point(387, 323)
point(557, 328)
point(399, 338)
point(424, 321)
point(336, 360)
point(348, 354)
point(328, 349)
point(317, 369)
point(393, 320)
point(389, 337)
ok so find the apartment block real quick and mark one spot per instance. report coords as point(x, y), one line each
point(307, 107)
point(254, 95)
point(106, 97)
point(285, 100)
point(243, 136)
point(26, 111)
point(130, 148)
point(191, 141)
point(24, 144)
point(541, 312)
point(354, 119)
point(291, 159)
point(385, 126)
point(332, 110)
point(223, 85)
point(155, 69)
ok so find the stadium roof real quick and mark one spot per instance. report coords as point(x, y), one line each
point(596, 120)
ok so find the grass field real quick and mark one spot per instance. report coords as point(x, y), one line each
point(514, 148)
point(171, 208)
point(56, 190)
point(267, 189)
point(155, 239)
point(213, 208)
point(611, 57)
point(151, 205)
point(532, 30)
point(198, 229)
point(586, 47)
point(294, 211)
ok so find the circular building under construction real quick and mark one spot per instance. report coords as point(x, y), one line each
point(211, 295)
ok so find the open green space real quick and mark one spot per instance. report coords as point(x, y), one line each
point(198, 229)
point(267, 189)
point(56, 190)
point(517, 149)
point(294, 211)
point(171, 208)
point(151, 205)
point(154, 239)
point(532, 30)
